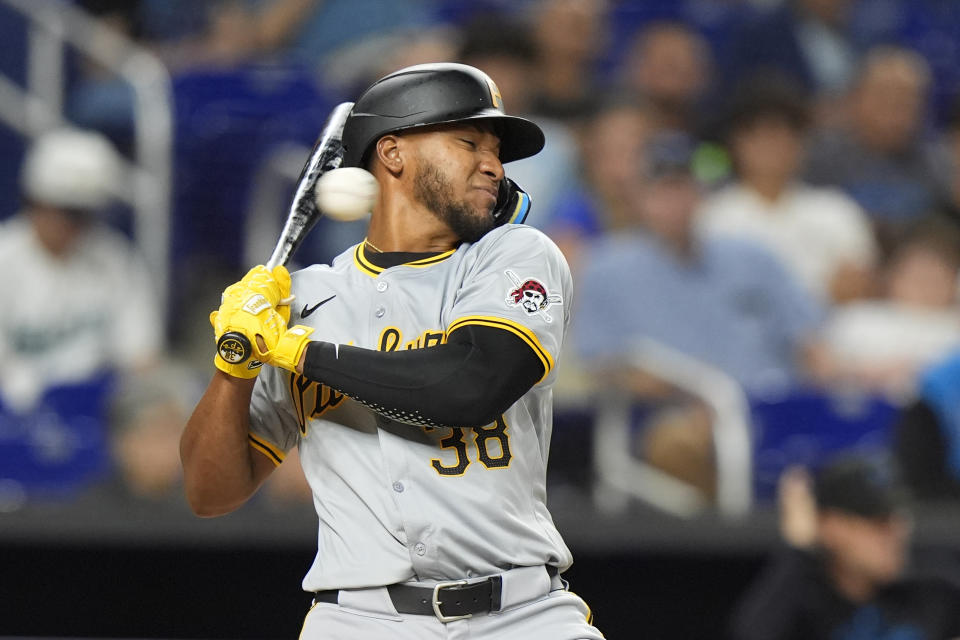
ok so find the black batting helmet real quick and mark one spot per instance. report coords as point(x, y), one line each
point(428, 94)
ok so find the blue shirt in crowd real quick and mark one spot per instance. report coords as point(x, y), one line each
point(732, 305)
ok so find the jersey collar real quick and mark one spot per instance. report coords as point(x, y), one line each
point(374, 264)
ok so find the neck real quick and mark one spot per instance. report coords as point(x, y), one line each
point(382, 242)
point(409, 228)
point(770, 188)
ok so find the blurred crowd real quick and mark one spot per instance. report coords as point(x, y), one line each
point(770, 188)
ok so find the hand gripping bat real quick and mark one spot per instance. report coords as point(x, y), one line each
point(327, 154)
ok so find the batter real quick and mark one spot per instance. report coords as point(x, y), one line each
point(415, 376)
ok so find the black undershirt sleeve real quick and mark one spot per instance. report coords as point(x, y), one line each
point(466, 382)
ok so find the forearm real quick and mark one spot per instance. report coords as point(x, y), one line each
point(465, 383)
point(219, 467)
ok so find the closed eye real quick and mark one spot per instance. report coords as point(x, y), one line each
point(469, 143)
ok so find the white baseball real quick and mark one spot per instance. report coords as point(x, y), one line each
point(347, 193)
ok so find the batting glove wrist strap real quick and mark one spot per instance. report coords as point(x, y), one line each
point(289, 348)
point(249, 369)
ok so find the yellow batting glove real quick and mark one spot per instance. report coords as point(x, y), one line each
point(257, 307)
point(273, 285)
point(289, 348)
point(262, 329)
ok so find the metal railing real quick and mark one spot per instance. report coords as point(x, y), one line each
point(30, 110)
point(627, 475)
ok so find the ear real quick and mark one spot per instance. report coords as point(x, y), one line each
point(387, 151)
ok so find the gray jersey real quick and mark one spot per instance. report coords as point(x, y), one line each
point(395, 501)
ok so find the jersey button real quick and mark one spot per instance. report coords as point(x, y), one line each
point(420, 548)
point(382, 286)
point(379, 312)
point(398, 487)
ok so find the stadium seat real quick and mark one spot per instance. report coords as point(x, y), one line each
point(807, 426)
point(62, 446)
point(225, 122)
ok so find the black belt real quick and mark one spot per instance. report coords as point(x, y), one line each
point(447, 601)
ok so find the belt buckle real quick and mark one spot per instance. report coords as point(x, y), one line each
point(436, 601)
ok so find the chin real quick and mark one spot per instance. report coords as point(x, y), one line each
point(474, 229)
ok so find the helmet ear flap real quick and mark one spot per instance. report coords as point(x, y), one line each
point(513, 204)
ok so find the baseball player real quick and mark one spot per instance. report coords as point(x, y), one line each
point(415, 376)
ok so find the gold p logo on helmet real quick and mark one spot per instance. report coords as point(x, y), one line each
point(495, 94)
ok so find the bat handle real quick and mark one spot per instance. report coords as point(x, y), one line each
point(234, 347)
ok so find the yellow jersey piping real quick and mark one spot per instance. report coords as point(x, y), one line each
point(272, 451)
point(513, 327)
point(373, 270)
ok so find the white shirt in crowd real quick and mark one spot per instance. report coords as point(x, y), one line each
point(885, 346)
point(66, 319)
point(812, 230)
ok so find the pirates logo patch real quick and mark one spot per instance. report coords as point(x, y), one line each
point(531, 295)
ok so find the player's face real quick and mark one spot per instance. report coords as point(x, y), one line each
point(457, 175)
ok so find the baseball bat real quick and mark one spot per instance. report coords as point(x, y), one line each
point(327, 154)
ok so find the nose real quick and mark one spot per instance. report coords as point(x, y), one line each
point(491, 166)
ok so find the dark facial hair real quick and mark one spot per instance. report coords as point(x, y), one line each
point(432, 188)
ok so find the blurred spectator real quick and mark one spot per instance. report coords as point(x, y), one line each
point(218, 34)
point(727, 302)
point(432, 44)
point(611, 147)
point(821, 234)
point(846, 572)
point(147, 419)
point(84, 315)
point(879, 155)
point(146, 422)
point(881, 345)
point(570, 36)
point(668, 65)
point(950, 146)
point(928, 434)
point(808, 41)
point(232, 32)
point(97, 98)
point(503, 47)
point(334, 25)
point(84, 298)
point(353, 67)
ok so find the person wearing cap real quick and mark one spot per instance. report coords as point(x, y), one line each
point(846, 571)
point(80, 314)
point(81, 301)
point(414, 375)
